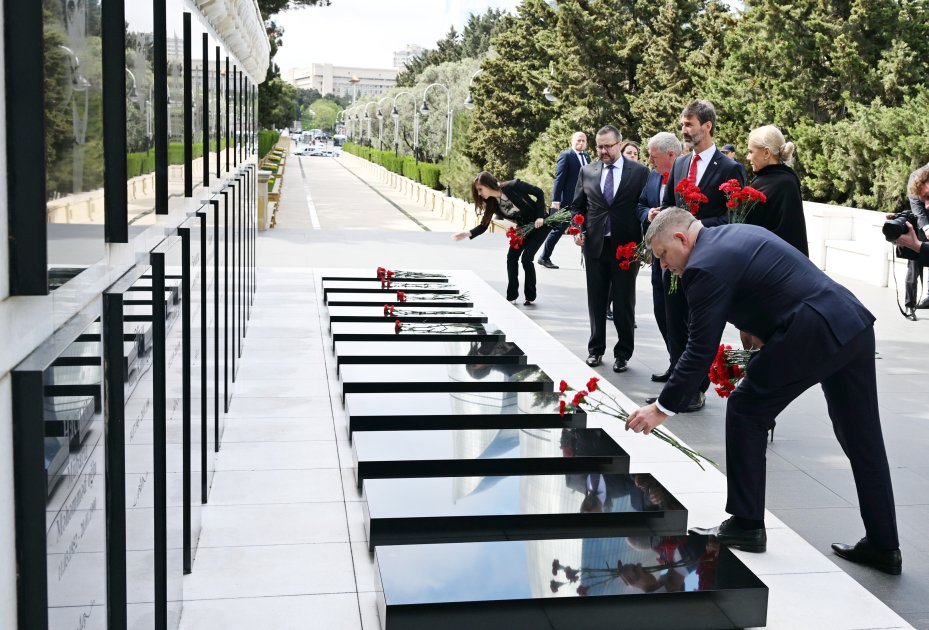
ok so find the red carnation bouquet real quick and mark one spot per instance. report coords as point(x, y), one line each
point(630, 253)
point(691, 195)
point(517, 235)
point(729, 368)
point(740, 201)
point(606, 404)
point(576, 222)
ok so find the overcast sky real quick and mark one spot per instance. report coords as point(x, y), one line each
point(367, 32)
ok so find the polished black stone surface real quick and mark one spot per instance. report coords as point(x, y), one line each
point(376, 313)
point(374, 286)
point(431, 331)
point(380, 454)
point(451, 377)
point(409, 511)
point(640, 582)
point(451, 300)
point(457, 410)
point(489, 352)
point(399, 275)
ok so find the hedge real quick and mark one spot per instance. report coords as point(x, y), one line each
point(425, 173)
point(266, 141)
point(143, 162)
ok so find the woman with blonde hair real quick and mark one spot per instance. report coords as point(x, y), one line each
point(770, 157)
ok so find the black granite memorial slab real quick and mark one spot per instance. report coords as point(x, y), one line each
point(426, 331)
point(457, 410)
point(390, 313)
point(410, 511)
point(641, 582)
point(486, 352)
point(399, 275)
point(451, 377)
point(414, 300)
point(348, 291)
point(485, 452)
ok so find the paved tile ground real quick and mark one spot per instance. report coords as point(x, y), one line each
point(284, 522)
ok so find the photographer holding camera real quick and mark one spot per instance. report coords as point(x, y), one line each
point(909, 230)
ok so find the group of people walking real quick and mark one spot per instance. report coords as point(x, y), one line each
point(807, 329)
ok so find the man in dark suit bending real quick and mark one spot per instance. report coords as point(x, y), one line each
point(607, 194)
point(707, 167)
point(566, 170)
point(814, 331)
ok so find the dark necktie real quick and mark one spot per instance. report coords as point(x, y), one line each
point(692, 173)
point(608, 195)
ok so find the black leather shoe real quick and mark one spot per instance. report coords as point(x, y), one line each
point(594, 360)
point(923, 303)
point(662, 378)
point(609, 314)
point(731, 535)
point(527, 303)
point(697, 403)
point(619, 365)
point(547, 263)
point(651, 400)
point(863, 552)
point(910, 313)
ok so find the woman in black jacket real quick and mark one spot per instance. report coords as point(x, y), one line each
point(522, 203)
point(769, 156)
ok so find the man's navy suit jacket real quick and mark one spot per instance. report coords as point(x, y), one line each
point(651, 196)
point(719, 171)
point(746, 275)
point(566, 169)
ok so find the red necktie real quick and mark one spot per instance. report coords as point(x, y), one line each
point(692, 173)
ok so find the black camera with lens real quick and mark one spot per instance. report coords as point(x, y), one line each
point(895, 226)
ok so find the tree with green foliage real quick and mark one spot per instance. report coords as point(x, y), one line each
point(510, 112)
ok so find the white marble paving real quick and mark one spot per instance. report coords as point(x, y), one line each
point(283, 545)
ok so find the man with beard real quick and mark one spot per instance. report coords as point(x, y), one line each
point(706, 167)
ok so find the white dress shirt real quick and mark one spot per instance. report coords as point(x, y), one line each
point(617, 175)
point(705, 156)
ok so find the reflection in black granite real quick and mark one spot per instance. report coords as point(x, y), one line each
point(398, 274)
point(417, 300)
point(384, 331)
point(696, 584)
point(492, 351)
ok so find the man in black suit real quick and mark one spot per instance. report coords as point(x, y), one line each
point(566, 169)
point(607, 194)
point(814, 331)
point(707, 167)
point(663, 149)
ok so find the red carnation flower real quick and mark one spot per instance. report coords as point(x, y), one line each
point(561, 407)
point(401, 296)
point(579, 398)
point(380, 272)
point(579, 219)
point(390, 274)
point(563, 386)
point(582, 590)
point(665, 176)
point(397, 327)
point(592, 384)
point(624, 265)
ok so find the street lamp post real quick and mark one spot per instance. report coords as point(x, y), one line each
point(424, 110)
point(380, 123)
point(395, 114)
point(469, 100)
point(368, 118)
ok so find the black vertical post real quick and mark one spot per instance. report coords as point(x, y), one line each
point(204, 389)
point(184, 233)
point(231, 269)
point(235, 115)
point(206, 110)
point(28, 479)
point(159, 447)
point(215, 204)
point(160, 89)
point(115, 196)
point(114, 372)
point(219, 125)
point(28, 237)
point(188, 112)
point(226, 301)
point(227, 113)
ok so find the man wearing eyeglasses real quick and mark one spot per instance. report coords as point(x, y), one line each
point(607, 195)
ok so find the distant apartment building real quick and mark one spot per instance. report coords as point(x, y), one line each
point(343, 80)
point(402, 57)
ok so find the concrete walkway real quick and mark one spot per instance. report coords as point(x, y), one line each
point(809, 482)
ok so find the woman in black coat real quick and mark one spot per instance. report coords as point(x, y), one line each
point(769, 156)
point(522, 203)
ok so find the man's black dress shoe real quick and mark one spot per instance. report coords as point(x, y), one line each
point(619, 365)
point(594, 360)
point(609, 314)
point(651, 400)
point(923, 303)
point(697, 403)
point(863, 552)
point(547, 263)
point(731, 535)
point(662, 378)
point(910, 313)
